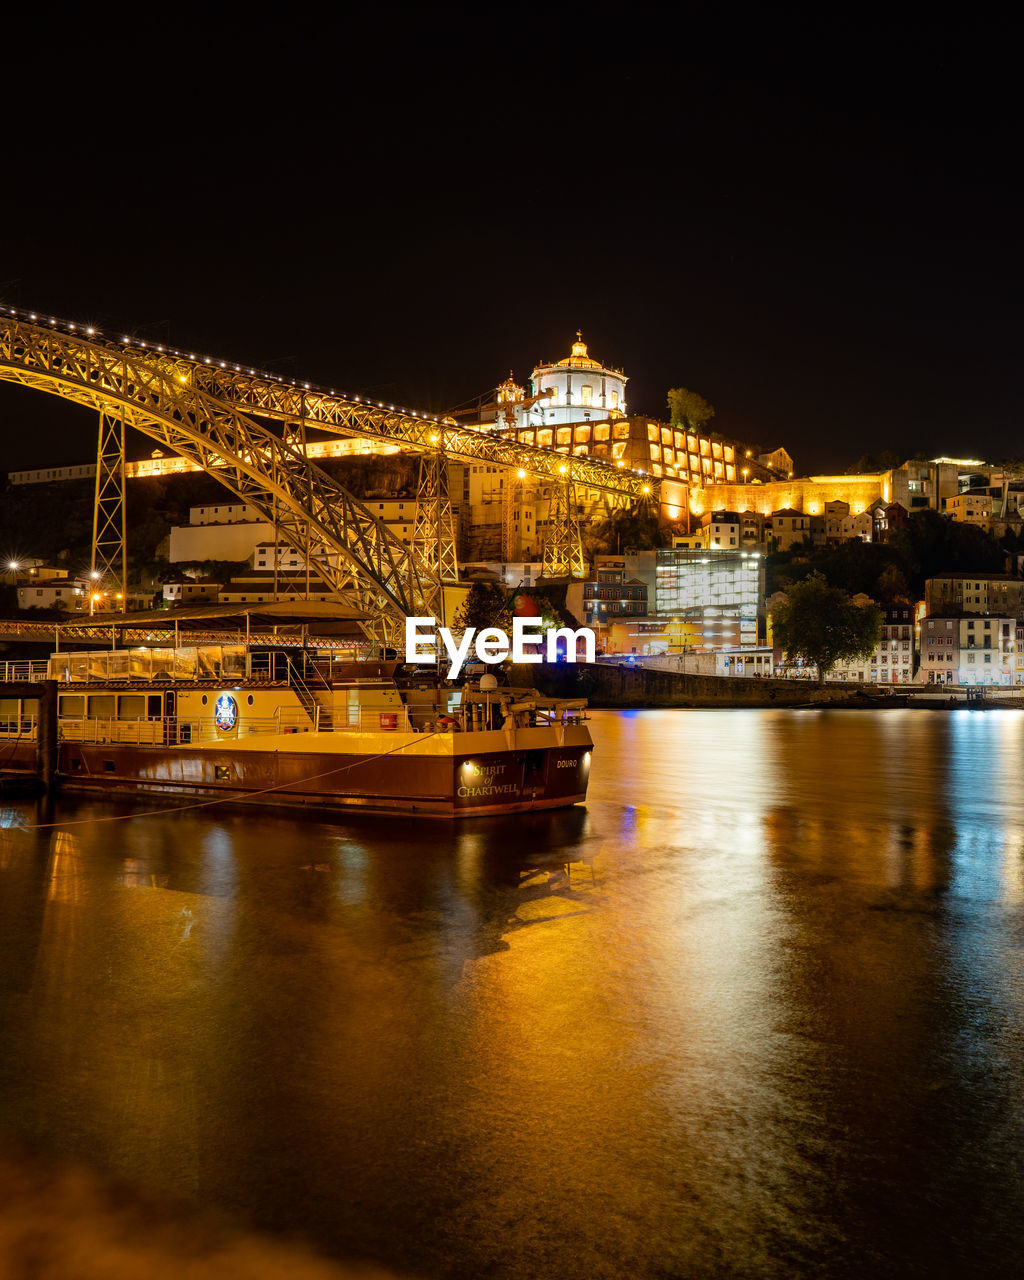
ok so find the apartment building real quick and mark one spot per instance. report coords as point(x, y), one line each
point(968, 650)
point(892, 661)
point(996, 593)
point(611, 595)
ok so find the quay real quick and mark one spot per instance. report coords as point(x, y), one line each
point(624, 685)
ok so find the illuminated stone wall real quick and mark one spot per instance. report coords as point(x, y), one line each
point(808, 495)
point(644, 444)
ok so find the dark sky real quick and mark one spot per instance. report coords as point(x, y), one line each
point(815, 224)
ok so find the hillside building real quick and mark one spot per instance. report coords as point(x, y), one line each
point(710, 600)
point(952, 593)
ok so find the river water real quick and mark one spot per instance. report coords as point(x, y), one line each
point(756, 1010)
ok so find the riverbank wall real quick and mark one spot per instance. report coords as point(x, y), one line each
point(614, 685)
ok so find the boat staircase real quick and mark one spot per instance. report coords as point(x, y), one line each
point(319, 712)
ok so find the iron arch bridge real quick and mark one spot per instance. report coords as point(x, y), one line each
point(200, 409)
point(372, 572)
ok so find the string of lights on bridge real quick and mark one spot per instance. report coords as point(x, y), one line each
point(91, 331)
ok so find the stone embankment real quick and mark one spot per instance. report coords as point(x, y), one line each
point(608, 685)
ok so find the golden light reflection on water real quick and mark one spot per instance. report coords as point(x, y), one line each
point(754, 1011)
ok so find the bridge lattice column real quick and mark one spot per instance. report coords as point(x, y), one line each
point(109, 570)
point(433, 539)
point(563, 547)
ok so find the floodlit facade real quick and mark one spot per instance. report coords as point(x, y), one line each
point(575, 387)
point(191, 591)
point(56, 593)
point(970, 508)
point(577, 406)
point(710, 600)
point(611, 595)
point(787, 528)
point(940, 650)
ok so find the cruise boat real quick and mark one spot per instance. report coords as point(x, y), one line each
point(274, 728)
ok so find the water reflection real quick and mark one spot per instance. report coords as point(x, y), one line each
point(754, 1010)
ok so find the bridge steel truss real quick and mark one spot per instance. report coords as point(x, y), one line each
point(199, 409)
point(328, 412)
point(371, 571)
point(563, 547)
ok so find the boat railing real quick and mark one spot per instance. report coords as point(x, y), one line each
point(260, 666)
point(286, 720)
point(22, 671)
point(140, 732)
point(17, 726)
point(176, 731)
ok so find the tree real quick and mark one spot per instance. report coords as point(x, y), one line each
point(893, 587)
point(931, 544)
point(624, 530)
point(688, 409)
point(486, 605)
point(867, 463)
point(822, 624)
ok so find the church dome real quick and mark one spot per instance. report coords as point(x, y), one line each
point(579, 358)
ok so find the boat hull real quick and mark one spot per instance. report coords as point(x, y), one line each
point(460, 782)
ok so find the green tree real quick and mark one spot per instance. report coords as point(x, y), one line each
point(486, 605)
point(688, 409)
point(822, 624)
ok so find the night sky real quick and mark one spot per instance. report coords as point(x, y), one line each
point(815, 224)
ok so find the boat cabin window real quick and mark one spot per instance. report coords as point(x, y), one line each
point(72, 704)
point(131, 706)
point(102, 704)
point(155, 707)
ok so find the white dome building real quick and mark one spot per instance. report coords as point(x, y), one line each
point(576, 389)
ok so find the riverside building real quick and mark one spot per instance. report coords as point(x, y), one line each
point(892, 661)
point(968, 650)
point(710, 599)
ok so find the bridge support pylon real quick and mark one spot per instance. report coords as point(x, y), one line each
point(563, 547)
point(109, 567)
point(433, 538)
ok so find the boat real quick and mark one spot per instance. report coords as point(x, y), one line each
point(220, 721)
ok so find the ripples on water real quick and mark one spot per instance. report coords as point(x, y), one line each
point(755, 1010)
